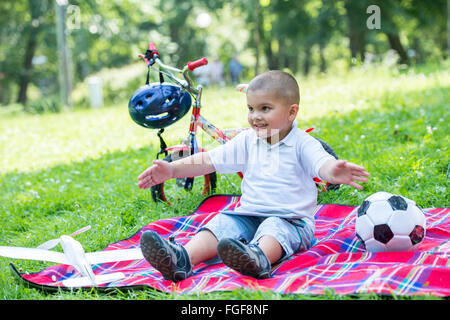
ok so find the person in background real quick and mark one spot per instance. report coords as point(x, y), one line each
point(235, 69)
point(216, 72)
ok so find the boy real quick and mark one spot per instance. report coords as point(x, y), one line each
point(276, 212)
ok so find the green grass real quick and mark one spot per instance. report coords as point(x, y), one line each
point(60, 172)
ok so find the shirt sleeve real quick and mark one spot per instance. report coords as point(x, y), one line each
point(231, 157)
point(313, 156)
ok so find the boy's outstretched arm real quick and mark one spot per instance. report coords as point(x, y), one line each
point(196, 165)
point(343, 172)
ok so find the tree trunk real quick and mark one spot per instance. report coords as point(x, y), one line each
point(448, 28)
point(357, 44)
point(394, 42)
point(258, 31)
point(272, 62)
point(392, 33)
point(418, 54)
point(291, 60)
point(355, 12)
point(307, 61)
point(30, 49)
point(323, 62)
point(25, 76)
point(282, 54)
point(293, 63)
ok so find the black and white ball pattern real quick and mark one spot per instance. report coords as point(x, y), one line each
point(387, 222)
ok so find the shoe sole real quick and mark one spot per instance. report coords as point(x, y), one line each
point(234, 254)
point(158, 254)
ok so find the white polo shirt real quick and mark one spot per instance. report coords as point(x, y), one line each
point(277, 178)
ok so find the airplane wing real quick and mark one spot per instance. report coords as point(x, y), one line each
point(33, 254)
point(59, 257)
point(114, 255)
point(75, 255)
point(99, 279)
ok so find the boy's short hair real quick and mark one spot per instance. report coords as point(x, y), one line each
point(281, 83)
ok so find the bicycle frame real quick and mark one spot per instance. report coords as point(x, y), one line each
point(222, 136)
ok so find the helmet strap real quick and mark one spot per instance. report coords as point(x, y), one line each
point(162, 144)
point(148, 77)
point(161, 77)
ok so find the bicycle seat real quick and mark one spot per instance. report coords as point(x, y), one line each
point(158, 105)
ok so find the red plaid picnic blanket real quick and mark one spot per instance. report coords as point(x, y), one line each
point(336, 262)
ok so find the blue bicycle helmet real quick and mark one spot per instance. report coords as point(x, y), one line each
point(158, 105)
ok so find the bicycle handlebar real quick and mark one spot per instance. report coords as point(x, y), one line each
point(197, 63)
point(152, 56)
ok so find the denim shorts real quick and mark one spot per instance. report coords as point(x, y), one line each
point(292, 234)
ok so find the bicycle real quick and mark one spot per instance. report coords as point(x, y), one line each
point(189, 145)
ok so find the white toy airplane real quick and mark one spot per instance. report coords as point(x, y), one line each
point(74, 255)
point(242, 87)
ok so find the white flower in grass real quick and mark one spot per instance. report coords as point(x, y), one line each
point(35, 194)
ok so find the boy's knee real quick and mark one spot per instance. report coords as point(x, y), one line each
point(226, 226)
point(283, 232)
point(205, 232)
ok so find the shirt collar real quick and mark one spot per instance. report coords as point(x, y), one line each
point(289, 140)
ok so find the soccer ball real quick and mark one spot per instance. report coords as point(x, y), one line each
point(387, 222)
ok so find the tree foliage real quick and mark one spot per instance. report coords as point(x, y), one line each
point(294, 34)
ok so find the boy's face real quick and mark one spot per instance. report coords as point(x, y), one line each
point(270, 116)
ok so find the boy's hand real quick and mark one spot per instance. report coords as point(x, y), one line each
point(343, 172)
point(195, 165)
point(159, 172)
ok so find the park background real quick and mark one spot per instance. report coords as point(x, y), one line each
point(302, 36)
point(376, 88)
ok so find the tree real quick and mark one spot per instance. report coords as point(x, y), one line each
point(292, 34)
point(22, 20)
point(356, 19)
point(32, 32)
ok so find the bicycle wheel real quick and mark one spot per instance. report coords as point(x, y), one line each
point(176, 189)
point(330, 150)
